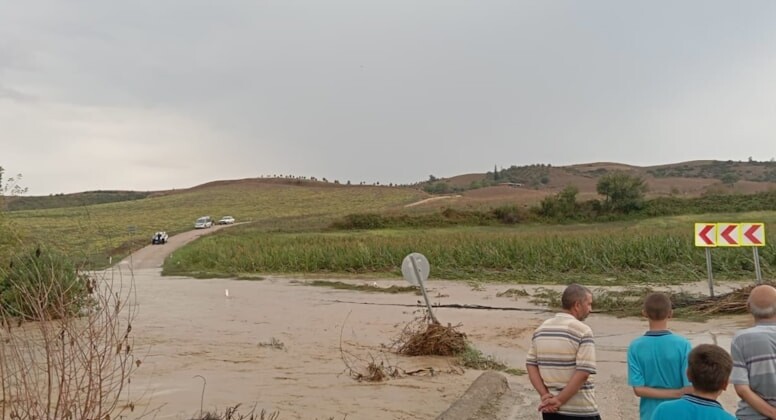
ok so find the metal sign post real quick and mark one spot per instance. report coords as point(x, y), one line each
point(415, 269)
point(757, 271)
point(753, 234)
point(708, 269)
point(706, 237)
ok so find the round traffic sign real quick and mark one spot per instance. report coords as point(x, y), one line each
point(415, 268)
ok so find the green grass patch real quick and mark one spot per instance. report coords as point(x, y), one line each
point(473, 358)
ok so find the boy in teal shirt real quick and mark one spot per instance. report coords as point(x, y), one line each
point(657, 361)
point(709, 370)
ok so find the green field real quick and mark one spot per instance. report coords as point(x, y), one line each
point(657, 251)
point(95, 232)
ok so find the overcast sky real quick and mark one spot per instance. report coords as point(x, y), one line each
point(151, 95)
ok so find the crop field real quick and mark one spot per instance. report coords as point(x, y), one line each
point(658, 250)
point(288, 232)
point(97, 231)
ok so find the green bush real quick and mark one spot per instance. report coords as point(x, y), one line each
point(43, 285)
point(361, 221)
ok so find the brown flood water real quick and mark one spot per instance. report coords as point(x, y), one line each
point(185, 328)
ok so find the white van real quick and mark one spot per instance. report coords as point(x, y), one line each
point(203, 222)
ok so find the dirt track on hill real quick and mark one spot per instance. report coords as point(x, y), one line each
point(190, 328)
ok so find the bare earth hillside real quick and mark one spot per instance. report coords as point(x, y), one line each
point(529, 184)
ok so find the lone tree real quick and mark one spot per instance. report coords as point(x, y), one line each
point(623, 192)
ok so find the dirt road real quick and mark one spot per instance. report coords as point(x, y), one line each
point(152, 256)
point(278, 344)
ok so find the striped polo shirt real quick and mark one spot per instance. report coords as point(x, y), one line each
point(559, 347)
point(754, 364)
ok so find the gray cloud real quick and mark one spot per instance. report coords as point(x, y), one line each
point(156, 95)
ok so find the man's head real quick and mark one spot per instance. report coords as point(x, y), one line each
point(577, 300)
point(709, 368)
point(657, 306)
point(762, 302)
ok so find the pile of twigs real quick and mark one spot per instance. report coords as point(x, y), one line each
point(431, 339)
point(726, 304)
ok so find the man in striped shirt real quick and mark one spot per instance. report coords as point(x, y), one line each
point(562, 358)
point(754, 358)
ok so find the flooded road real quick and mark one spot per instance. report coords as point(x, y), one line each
point(278, 344)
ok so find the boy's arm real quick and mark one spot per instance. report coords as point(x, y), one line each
point(659, 393)
point(755, 401)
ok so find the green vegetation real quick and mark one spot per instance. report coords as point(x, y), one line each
point(90, 234)
point(529, 175)
point(534, 176)
point(726, 171)
point(42, 285)
point(563, 208)
point(72, 200)
point(657, 250)
point(339, 285)
point(473, 358)
point(623, 193)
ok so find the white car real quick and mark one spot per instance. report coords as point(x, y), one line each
point(203, 222)
point(226, 220)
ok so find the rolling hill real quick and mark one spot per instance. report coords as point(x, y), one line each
point(517, 184)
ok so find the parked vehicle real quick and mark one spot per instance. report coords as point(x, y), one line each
point(226, 220)
point(203, 222)
point(159, 238)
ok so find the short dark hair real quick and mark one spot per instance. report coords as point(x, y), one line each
point(574, 293)
point(657, 306)
point(709, 367)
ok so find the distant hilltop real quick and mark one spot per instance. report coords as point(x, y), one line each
point(522, 184)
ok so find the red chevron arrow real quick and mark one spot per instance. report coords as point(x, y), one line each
point(726, 235)
point(705, 231)
point(750, 234)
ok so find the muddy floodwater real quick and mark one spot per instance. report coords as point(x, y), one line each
point(277, 344)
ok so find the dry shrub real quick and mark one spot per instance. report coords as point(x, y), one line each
point(233, 413)
point(56, 363)
point(368, 369)
point(365, 368)
point(422, 337)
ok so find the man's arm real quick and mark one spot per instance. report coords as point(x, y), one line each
point(536, 380)
point(755, 401)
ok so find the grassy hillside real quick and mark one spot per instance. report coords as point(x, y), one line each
point(71, 200)
point(98, 231)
